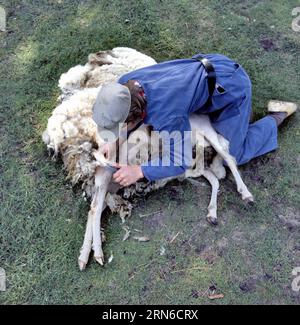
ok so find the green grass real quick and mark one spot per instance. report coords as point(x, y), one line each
point(42, 219)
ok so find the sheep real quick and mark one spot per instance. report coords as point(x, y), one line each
point(72, 133)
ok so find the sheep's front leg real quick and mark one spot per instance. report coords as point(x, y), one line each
point(212, 208)
point(102, 180)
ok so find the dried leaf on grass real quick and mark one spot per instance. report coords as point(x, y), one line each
point(213, 297)
point(150, 214)
point(174, 237)
point(162, 251)
point(142, 238)
point(110, 258)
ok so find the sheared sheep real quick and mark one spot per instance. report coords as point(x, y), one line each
point(72, 133)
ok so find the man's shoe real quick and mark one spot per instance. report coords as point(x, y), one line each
point(276, 106)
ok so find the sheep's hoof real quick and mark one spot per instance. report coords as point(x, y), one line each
point(82, 265)
point(249, 200)
point(251, 203)
point(99, 260)
point(212, 220)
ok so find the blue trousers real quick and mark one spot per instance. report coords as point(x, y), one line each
point(230, 113)
point(248, 141)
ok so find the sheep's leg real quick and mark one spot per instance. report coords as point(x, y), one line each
point(92, 236)
point(87, 244)
point(102, 180)
point(212, 208)
point(241, 187)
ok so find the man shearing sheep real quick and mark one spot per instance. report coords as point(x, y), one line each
point(165, 94)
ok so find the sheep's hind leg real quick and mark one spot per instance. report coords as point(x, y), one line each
point(87, 243)
point(102, 180)
point(212, 208)
point(241, 187)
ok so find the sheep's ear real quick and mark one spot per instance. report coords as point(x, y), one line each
point(46, 137)
point(99, 58)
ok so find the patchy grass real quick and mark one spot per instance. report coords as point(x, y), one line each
point(249, 257)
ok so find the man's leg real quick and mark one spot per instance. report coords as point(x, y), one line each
point(260, 139)
point(248, 141)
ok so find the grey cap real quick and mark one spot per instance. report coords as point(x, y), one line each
point(111, 107)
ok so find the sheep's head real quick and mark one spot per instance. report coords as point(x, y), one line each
point(100, 58)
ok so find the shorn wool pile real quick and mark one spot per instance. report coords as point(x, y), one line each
point(72, 133)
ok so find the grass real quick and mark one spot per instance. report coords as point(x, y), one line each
point(249, 257)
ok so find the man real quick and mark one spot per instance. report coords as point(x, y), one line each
point(165, 94)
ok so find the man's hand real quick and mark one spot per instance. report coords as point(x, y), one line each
point(128, 175)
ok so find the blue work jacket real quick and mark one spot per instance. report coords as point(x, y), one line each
point(175, 89)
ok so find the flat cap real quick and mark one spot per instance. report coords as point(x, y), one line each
point(111, 108)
